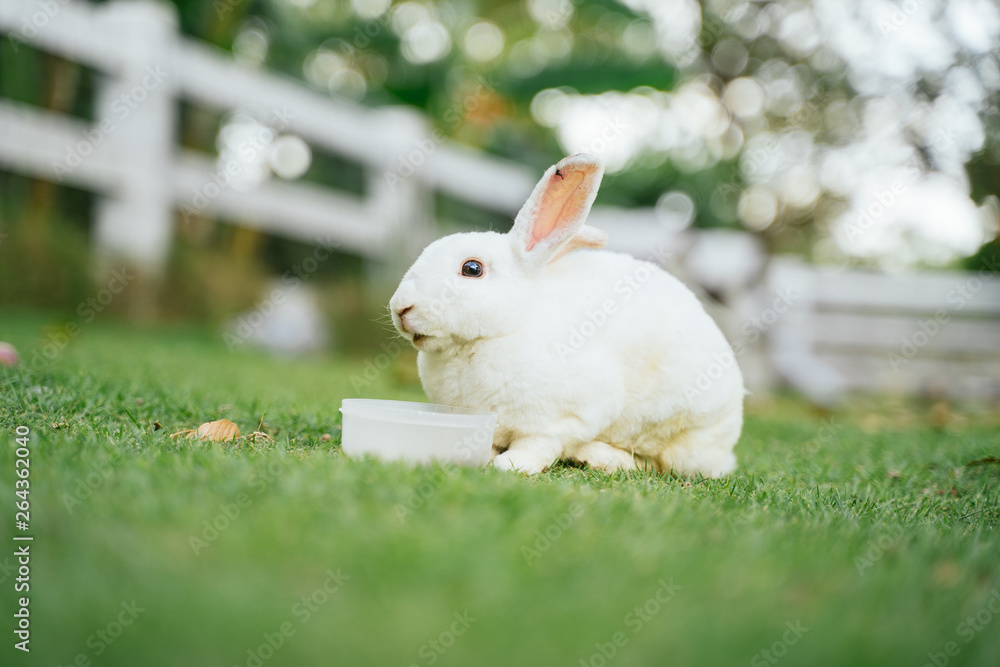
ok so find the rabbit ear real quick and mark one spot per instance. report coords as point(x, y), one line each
point(557, 207)
point(585, 237)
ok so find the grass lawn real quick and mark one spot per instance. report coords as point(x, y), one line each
point(858, 539)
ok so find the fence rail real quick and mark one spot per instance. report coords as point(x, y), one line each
point(144, 177)
point(933, 333)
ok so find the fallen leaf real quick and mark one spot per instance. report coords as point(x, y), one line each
point(326, 437)
point(157, 426)
point(221, 430)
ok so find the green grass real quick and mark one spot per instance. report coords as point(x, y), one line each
point(867, 528)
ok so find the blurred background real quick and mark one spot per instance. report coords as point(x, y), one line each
point(824, 174)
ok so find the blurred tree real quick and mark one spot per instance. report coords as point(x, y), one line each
point(793, 119)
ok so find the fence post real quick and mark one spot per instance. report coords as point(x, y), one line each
point(397, 199)
point(135, 116)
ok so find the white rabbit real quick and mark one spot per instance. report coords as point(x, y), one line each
point(582, 354)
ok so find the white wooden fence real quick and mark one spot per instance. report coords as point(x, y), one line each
point(934, 334)
point(129, 153)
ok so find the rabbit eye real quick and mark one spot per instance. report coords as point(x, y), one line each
point(473, 268)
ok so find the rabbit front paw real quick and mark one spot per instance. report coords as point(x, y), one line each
point(521, 460)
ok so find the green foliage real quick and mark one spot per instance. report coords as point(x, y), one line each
point(867, 527)
point(44, 256)
point(601, 58)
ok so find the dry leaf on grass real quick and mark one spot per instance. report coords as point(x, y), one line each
point(259, 433)
point(221, 430)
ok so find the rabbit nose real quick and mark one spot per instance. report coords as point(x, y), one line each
point(403, 311)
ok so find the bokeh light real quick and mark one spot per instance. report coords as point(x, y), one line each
point(426, 42)
point(483, 41)
point(289, 156)
point(812, 107)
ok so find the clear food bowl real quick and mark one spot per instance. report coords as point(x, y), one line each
point(417, 432)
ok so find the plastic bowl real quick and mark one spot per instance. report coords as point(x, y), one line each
point(417, 432)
